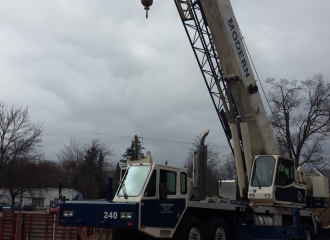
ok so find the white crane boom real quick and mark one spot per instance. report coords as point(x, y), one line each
point(234, 61)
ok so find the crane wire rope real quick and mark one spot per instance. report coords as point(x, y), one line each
point(258, 79)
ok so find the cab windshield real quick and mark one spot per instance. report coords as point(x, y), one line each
point(263, 171)
point(134, 181)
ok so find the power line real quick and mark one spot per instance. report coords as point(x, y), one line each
point(148, 138)
point(70, 130)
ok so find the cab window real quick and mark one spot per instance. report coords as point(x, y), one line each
point(263, 170)
point(151, 187)
point(285, 172)
point(168, 177)
point(134, 181)
point(122, 173)
point(183, 182)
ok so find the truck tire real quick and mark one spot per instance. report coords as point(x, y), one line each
point(216, 228)
point(307, 232)
point(191, 229)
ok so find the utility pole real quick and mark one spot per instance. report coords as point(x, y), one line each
point(135, 147)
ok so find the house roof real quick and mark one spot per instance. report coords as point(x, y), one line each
point(325, 173)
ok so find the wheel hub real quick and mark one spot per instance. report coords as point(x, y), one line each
point(194, 234)
point(307, 235)
point(220, 234)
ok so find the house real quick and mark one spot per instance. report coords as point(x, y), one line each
point(41, 198)
point(324, 173)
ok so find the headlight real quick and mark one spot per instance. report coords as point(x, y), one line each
point(251, 195)
point(267, 195)
point(67, 213)
point(126, 215)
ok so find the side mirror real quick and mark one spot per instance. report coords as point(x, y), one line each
point(163, 191)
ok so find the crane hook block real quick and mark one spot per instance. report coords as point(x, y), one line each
point(146, 4)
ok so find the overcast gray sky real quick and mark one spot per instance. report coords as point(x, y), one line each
point(86, 67)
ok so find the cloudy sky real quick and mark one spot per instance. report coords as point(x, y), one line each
point(99, 69)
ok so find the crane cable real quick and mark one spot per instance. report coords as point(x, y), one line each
point(258, 79)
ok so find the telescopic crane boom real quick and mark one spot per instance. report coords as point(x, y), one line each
point(264, 177)
point(234, 60)
point(257, 136)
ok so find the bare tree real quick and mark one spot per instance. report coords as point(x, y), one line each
point(47, 175)
point(72, 157)
point(301, 118)
point(87, 166)
point(213, 169)
point(228, 167)
point(20, 145)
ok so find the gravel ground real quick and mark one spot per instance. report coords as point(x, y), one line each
point(325, 217)
point(97, 237)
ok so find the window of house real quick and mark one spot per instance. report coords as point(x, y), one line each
point(38, 202)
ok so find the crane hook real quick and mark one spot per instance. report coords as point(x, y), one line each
point(146, 4)
point(146, 8)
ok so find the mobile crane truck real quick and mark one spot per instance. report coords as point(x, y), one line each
point(272, 200)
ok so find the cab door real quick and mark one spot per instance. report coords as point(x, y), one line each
point(171, 209)
point(167, 212)
point(286, 191)
point(150, 202)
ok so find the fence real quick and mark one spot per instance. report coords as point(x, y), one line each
point(34, 226)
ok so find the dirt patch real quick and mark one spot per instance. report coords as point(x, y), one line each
point(323, 216)
point(326, 218)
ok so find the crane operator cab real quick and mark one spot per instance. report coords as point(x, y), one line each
point(274, 181)
point(160, 192)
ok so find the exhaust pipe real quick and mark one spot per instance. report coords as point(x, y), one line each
point(200, 166)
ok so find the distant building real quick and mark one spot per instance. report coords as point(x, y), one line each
point(41, 198)
point(325, 173)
